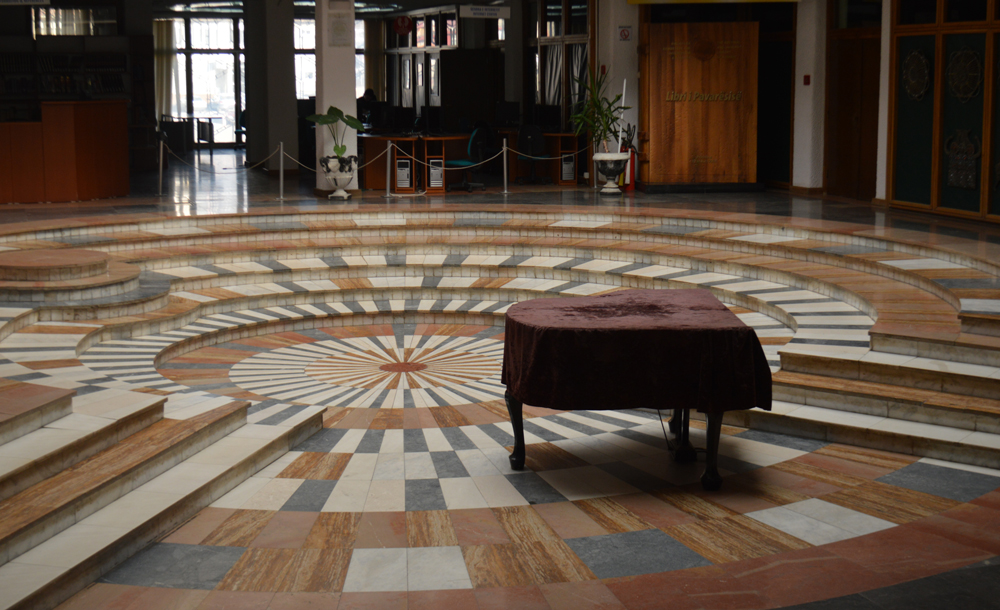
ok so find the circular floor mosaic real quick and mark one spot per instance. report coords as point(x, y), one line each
point(401, 366)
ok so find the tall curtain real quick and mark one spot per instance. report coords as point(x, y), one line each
point(553, 74)
point(577, 72)
point(164, 60)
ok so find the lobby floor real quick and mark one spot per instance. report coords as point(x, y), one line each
point(385, 321)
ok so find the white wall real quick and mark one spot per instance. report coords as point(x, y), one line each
point(620, 57)
point(334, 77)
point(810, 100)
point(882, 169)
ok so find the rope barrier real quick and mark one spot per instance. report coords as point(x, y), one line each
point(300, 163)
point(220, 173)
point(376, 158)
point(465, 167)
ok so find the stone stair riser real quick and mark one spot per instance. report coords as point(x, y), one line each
point(911, 377)
point(985, 457)
point(79, 450)
point(105, 560)
point(907, 346)
point(885, 407)
point(66, 515)
point(28, 422)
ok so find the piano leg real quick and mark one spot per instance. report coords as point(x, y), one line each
point(685, 452)
point(517, 423)
point(675, 422)
point(711, 480)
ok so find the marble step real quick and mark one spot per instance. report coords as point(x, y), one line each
point(980, 324)
point(873, 431)
point(34, 515)
point(98, 420)
point(55, 570)
point(27, 406)
point(934, 374)
point(967, 348)
point(885, 400)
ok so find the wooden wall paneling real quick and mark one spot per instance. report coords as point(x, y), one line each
point(703, 102)
point(59, 137)
point(27, 162)
point(645, 70)
point(938, 142)
point(110, 132)
point(5, 175)
point(871, 57)
point(989, 73)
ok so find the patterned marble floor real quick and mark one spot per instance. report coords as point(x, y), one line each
point(405, 498)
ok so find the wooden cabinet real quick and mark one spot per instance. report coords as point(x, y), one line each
point(79, 151)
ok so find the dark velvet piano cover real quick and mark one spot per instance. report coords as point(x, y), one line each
point(660, 349)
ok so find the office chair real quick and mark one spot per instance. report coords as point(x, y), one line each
point(475, 152)
point(531, 147)
point(241, 130)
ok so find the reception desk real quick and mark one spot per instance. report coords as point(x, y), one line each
point(79, 151)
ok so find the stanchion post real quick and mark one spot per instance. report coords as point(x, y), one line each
point(281, 171)
point(594, 174)
point(161, 165)
point(505, 191)
point(388, 170)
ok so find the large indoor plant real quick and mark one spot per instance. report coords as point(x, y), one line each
point(600, 117)
point(339, 169)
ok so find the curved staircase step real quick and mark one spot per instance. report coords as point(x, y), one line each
point(54, 570)
point(885, 400)
point(46, 508)
point(977, 380)
point(98, 421)
point(27, 406)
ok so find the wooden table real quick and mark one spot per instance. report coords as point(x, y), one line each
point(673, 349)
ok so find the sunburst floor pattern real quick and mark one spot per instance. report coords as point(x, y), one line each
point(363, 367)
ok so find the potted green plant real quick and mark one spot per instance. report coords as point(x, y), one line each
point(600, 117)
point(341, 173)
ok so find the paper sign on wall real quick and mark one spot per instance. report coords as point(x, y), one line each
point(341, 30)
point(476, 11)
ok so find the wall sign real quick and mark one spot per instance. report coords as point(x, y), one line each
point(625, 33)
point(484, 12)
point(402, 25)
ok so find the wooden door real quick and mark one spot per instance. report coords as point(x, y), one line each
point(702, 101)
point(852, 113)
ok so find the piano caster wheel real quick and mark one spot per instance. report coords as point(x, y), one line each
point(711, 481)
point(516, 462)
point(686, 455)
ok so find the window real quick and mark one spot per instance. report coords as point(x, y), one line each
point(304, 37)
point(359, 57)
point(74, 21)
point(208, 80)
point(212, 34)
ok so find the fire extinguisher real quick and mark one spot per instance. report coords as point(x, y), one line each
point(627, 178)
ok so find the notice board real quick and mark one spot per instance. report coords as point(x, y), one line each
point(700, 92)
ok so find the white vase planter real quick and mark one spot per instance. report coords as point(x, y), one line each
point(339, 173)
point(611, 165)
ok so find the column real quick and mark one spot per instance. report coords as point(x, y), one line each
point(334, 74)
point(881, 171)
point(270, 80)
point(810, 99)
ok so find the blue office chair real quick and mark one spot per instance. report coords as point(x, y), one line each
point(531, 146)
point(475, 153)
